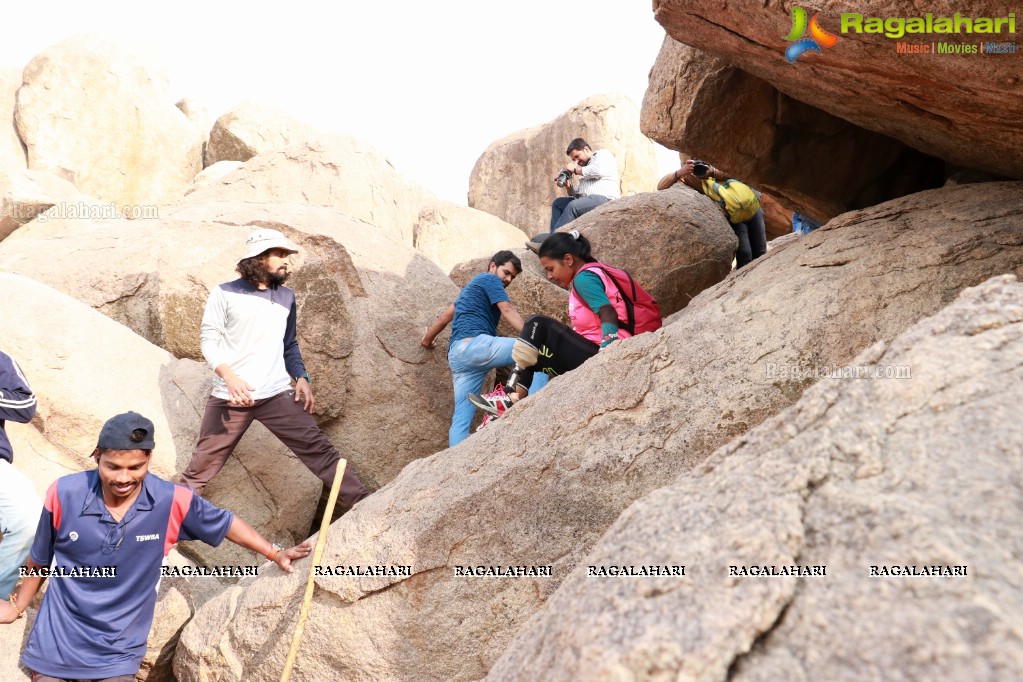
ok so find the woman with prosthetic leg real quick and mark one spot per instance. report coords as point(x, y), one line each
point(605, 305)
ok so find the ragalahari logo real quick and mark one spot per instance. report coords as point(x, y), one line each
point(818, 36)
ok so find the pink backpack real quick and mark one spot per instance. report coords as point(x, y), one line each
point(644, 315)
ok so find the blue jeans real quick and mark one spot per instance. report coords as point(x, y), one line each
point(470, 360)
point(20, 508)
point(803, 225)
point(566, 209)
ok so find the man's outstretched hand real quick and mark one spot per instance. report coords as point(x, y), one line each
point(286, 556)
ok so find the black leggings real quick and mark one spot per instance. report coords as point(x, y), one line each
point(561, 349)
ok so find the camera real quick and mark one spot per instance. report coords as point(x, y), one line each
point(700, 169)
point(564, 176)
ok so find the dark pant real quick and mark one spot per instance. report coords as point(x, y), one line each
point(566, 209)
point(752, 239)
point(561, 349)
point(224, 424)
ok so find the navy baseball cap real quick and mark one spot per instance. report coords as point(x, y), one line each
point(128, 431)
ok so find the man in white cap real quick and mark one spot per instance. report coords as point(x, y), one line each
point(249, 338)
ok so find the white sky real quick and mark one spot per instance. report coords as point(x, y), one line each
point(431, 85)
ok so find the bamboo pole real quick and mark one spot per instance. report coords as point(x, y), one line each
point(321, 540)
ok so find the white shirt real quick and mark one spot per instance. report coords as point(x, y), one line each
point(600, 176)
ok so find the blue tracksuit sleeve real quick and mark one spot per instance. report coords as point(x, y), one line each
point(17, 401)
point(292, 355)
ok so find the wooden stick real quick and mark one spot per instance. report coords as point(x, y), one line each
point(321, 540)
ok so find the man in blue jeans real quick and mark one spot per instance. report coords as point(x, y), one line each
point(19, 504)
point(475, 348)
point(592, 180)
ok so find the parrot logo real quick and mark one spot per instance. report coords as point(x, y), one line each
point(818, 36)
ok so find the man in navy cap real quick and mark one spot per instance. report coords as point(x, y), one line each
point(250, 340)
point(107, 532)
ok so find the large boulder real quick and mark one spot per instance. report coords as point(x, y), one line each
point(514, 178)
point(675, 242)
point(99, 115)
point(449, 234)
point(363, 301)
point(811, 160)
point(252, 128)
point(126, 270)
point(860, 474)
point(962, 109)
point(25, 194)
point(338, 172)
point(85, 368)
point(12, 151)
point(540, 486)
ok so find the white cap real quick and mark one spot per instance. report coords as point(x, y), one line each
point(265, 239)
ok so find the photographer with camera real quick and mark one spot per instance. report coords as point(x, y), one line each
point(740, 202)
point(597, 182)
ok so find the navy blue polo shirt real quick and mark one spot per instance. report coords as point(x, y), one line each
point(96, 626)
point(476, 310)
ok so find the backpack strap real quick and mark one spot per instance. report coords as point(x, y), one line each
point(711, 189)
point(630, 324)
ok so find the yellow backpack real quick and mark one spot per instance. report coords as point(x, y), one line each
point(738, 199)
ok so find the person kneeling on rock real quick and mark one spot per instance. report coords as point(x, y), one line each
point(605, 305)
point(106, 534)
